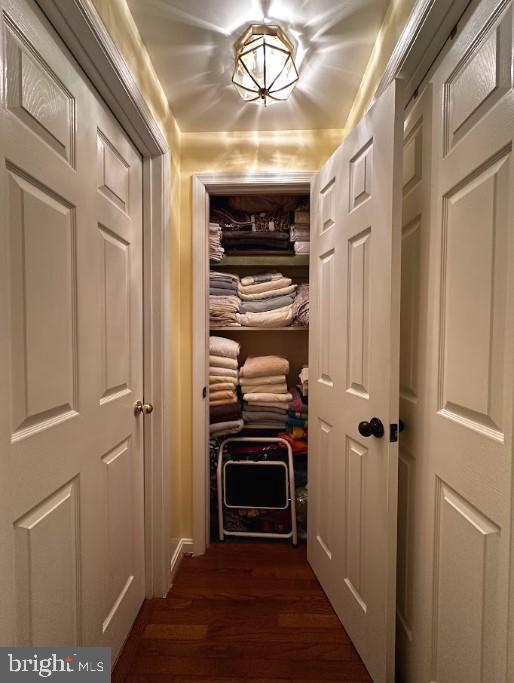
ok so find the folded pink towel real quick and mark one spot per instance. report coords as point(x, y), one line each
point(267, 389)
point(260, 366)
point(266, 379)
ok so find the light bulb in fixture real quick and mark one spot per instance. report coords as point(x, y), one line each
point(265, 70)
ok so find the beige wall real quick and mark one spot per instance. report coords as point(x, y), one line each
point(227, 151)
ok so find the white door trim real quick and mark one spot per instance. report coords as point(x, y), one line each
point(84, 34)
point(203, 185)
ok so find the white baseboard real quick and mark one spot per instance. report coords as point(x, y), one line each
point(183, 546)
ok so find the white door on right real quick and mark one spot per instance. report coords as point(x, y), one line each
point(469, 427)
point(354, 380)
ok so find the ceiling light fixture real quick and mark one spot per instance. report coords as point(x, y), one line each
point(265, 71)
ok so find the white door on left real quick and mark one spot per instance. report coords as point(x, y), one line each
point(71, 458)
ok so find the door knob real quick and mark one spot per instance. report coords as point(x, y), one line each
point(140, 407)
point(372, 428)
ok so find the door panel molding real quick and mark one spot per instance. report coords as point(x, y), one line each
point(81, 29)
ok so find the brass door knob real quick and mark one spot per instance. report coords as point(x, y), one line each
point(140, 407)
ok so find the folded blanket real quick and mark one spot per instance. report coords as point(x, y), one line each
point(266, 295)
point(263, 415)
point(268, 397)
point(217, 394)
point(269, 404)
point(225, 277)
point(223, 283)
point(218, 291)
point(261, 277)
point(265, 286)
point(229, 427)
point(266, 304)
point(222, 386)
point(257, 408)
point(221, 346)
point(222, 379)
point(223, 401)
point(222, 362)
point(280, 388)
point(228, 411)
point(262, 366)
point(282, 317)
point(301, 306)
point(302, 247)
point(225, 372)
point(264, 379)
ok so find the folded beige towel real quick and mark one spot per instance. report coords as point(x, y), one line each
point(270, 404)
point(224, 372)
point(222, 402)
point(221, 346)
point(280, 317)
point(215, 395)
point(222, 379)
point(267, 388)
point(222, 386)
point(265, 379)
point(268, 398)
point(266, 295)
point(229, 427)
point(265, 286)
point(222, 362)
point(250, 279)
point(261, 366)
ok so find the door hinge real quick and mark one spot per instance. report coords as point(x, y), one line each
point(393, 432)
point(204, 392)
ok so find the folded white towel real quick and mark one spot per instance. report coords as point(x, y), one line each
point(265, 295)
point(268, 397)
point(222, 362)
point(266, 379)
point(265, 286)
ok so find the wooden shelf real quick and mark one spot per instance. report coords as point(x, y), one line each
point(298, 261)
point(259, 329)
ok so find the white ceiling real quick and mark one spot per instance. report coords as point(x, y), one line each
point(191, 46)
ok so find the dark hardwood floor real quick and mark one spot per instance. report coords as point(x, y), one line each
point(241, 612)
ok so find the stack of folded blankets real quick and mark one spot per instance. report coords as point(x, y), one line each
point(266, 301)
point(223, 300)
point(301, 306)
point(224, 406)
point(265, 394)
point(215, 248)
point(301, 231)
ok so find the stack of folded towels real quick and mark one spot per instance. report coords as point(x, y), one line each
point(224, 406)
point(266, 300)
point(265, 394)
point(223, 300)
point(301, 231)
point(215, 249)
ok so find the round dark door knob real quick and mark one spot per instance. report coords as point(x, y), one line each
point(365, 429)
point(372, 428)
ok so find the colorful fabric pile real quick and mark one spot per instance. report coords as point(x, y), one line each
point(301, 306)
point(297, 423)
point(224, 406)
point(223, 300)
point(266, 300)
point(263, 381)
point(301, 231)
point(215, 249)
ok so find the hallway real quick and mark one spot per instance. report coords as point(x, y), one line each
point(241, 612)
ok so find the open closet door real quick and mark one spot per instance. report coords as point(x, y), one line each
point(354, 379)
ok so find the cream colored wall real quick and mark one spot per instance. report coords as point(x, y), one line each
point(222, 151)
point(393, 24)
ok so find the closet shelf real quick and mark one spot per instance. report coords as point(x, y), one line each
point(259, 329)
point(298, 261)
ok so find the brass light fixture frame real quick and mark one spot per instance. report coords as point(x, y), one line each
point(245, 44)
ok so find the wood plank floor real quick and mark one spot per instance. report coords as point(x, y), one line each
point(241, 612)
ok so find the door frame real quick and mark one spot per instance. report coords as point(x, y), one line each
point(81, 29)
point(205, 184)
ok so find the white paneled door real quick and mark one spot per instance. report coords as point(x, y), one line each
point(459, 569)
point(71, 461)
point(354, 368)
